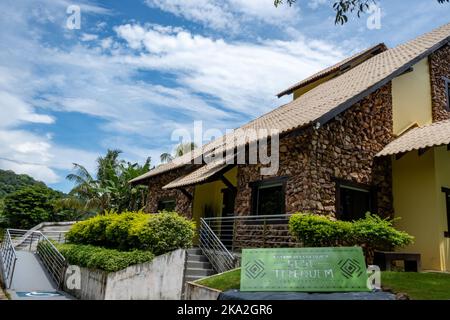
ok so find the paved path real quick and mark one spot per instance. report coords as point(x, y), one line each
point(31, 282)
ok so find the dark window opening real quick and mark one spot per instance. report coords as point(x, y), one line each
point(447, 93)
point(447, 202)
point(354, 201)
point(166, 205)
point(269, 197)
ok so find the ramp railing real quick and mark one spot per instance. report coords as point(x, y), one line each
point(41, 243)
point(8, 259)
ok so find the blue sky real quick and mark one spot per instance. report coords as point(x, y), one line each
point(137, 70)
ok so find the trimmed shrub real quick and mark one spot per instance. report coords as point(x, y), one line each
point(371, 233)
point(319, 231)
point(91, 231)
point(164, 232)
point(117, 232)
point(110, 260)
point(158, 233)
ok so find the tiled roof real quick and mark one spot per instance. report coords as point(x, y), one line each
point(327, 100)
point(435, 134)
point(200, 175)
point(340, 66)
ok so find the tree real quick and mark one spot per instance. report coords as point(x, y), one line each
point(344, 7)
point(11, 182)
point(30, 206)
point(110, 189)
point(180, 150)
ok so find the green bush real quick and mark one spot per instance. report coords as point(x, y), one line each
point(164, 232)
point(110, 260)
point(319, 231)
point(379, 234)
point(158, 233)
point(371, 233)
point(91, 231)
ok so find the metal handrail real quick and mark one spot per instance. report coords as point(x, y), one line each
point(220, 257)
point(8, 258)
point(38, 242)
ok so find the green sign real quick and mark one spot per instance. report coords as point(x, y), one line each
point(304, 269)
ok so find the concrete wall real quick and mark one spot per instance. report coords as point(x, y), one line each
point(160, 279)
point(197, 292)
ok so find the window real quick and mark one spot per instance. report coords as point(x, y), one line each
point(166, 205)
point(447, 93)
point(268, 197)
point(447, 201)
point(353, 201)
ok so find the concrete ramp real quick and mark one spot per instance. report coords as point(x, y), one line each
point(31, 281)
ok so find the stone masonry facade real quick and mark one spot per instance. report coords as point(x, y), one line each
point(344, 148)
point(156, 193)
point(440, 69)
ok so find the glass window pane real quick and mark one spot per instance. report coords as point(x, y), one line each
point(271, 200)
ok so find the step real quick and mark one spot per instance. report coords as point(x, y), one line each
point(199, 272)
point(193, 278)
point(198, 265)
point(196, 257)
point(196, 251)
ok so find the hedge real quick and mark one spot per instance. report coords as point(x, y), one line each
point(158, 233)
point(371, 233)
point(110, 260)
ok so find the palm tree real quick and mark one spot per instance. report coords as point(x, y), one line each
point(179, 151)
point(110, 189)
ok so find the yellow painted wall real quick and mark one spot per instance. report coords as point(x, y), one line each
point(210, 195)
point(298, 93)
point(419, 202)
point(442, 175)
point(411, 98)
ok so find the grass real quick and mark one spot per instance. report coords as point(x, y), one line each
point(419, 286)
point(224, 281)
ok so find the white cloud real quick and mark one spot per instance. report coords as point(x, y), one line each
point(244, 76)
point(88, 37)
point(229, 15)
point(314, 4)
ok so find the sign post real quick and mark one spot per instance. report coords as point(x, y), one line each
point(340, 269)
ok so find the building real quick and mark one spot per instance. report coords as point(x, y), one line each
point(371, 133)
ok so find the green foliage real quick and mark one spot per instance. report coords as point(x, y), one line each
point(110, 260)
point(30, 206)
point(375, 232)
point(159, 233)
point(110, 189)
point(10, 182)
point(164, 232)
point(372, 232)
point(319, 231)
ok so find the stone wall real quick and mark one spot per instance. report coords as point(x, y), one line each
point(156, 193)
point(439, 68)
point(344, 148)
